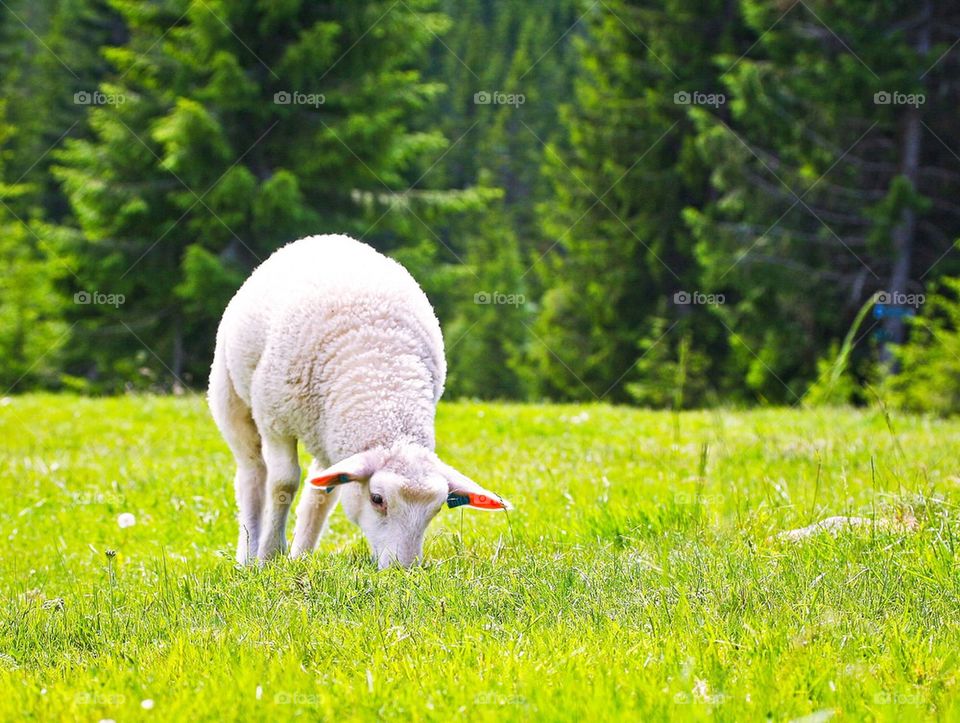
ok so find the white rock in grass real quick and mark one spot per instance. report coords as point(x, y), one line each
point(835, 524)
point(820, 716)
point(126, 520)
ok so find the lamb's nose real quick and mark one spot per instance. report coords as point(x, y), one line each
point(394, 558)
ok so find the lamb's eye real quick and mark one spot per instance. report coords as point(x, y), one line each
point(376, 499)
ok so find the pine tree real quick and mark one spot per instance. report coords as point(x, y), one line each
point(32, 330)
point(616, 247)
point(519, 53)
point(225, 130)
point(50, 52)
point(828, 188)
point(486, 337)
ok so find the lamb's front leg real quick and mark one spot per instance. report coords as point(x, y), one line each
point(283, 478)
point(313, 511)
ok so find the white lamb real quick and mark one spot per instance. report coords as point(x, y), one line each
point(335, 345)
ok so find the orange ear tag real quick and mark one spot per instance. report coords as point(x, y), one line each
point(474, 500)
point(329, 482)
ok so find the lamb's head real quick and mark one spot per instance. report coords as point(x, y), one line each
point(392, 494)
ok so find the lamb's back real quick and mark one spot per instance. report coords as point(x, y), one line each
point(316, 293)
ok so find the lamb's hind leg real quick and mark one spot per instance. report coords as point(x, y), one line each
point(249, 484)
point(283, 478)
point(236, 424)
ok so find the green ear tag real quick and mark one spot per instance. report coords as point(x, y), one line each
point(457, 500)
point(341, 479)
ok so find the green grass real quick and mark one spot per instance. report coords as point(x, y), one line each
point(634, 579)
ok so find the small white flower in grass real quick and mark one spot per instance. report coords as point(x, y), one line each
point(259, 692)
point(147, 704)
point(126, 520)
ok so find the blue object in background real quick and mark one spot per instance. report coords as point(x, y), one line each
point(892, 311)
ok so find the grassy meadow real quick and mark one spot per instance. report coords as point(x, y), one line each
point(638, 577)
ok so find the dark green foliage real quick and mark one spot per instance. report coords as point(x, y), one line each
point(32, 332)
point(618, 248)
point(517, 49)
point(238, 131)
point(812, 179)
point(930, 361)
point(659, 202)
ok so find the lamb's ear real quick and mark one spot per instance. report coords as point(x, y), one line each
point(358, 468)
point(464, 491)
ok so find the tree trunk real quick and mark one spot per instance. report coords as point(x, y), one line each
point(904, 232)
point(176, 362)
